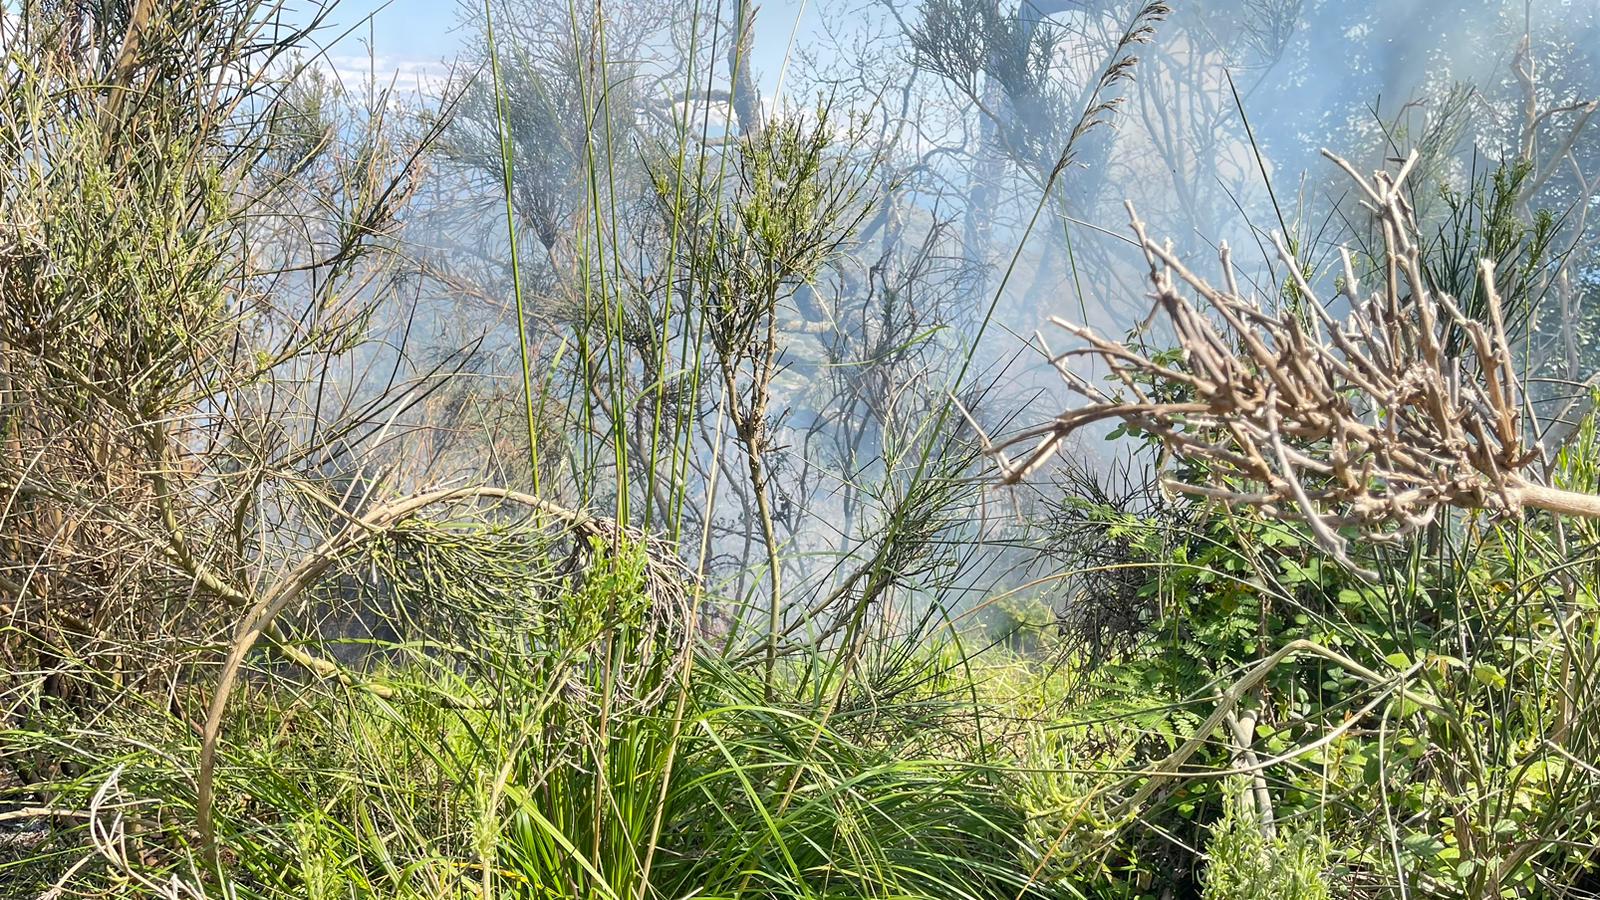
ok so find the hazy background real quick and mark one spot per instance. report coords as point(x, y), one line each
point(1212, 127)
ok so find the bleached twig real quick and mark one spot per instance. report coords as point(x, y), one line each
point(1369, 423)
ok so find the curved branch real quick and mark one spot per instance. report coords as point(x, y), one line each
point(292, 584)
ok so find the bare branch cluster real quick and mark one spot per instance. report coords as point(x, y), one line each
point(1368, 422)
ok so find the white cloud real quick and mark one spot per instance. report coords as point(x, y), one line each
point(409, 77)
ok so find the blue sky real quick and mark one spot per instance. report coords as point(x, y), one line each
point(413, 30)
point(414, 37)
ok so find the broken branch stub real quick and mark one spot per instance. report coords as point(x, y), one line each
point(1366, 423)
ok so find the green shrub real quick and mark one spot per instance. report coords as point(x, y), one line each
point(1245, 864)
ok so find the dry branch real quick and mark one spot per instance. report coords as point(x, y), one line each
point(1367, 423)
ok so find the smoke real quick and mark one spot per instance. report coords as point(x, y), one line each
point(963, 108)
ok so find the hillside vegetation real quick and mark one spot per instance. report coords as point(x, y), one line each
point(592, 478)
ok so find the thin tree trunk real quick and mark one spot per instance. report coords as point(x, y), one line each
point(744, 97)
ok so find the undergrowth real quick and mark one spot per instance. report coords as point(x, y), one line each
point(711, 596)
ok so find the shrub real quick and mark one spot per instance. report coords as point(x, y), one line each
point(1243, 863)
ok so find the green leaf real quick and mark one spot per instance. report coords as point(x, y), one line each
point(1488, 676)
point(1422, 844)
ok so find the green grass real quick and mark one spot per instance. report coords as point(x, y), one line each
point(656, 680)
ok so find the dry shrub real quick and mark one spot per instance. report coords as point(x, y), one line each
point(1368, 423)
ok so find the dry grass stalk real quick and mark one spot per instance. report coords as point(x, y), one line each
point(1366, 423)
